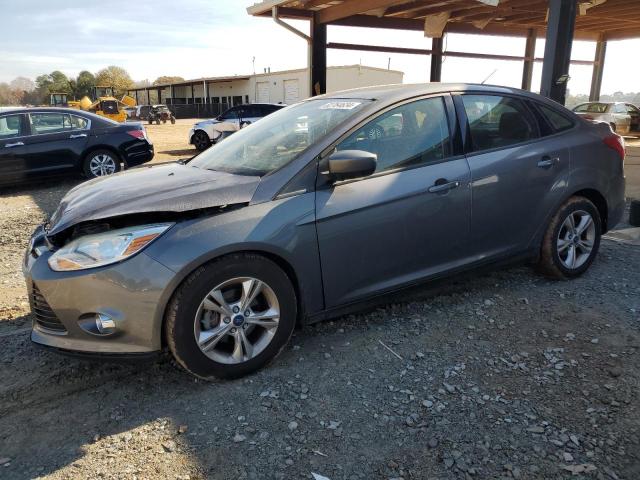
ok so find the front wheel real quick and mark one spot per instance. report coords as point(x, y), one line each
point(100, 163)
point(173, 120)
point(231, 317)
point(572, 239)
point(201, 140)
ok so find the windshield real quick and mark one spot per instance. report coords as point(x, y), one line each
point(278, 138)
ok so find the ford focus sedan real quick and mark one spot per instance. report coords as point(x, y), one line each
point(385, 187)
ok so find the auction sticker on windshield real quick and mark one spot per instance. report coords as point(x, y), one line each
point(340, 105)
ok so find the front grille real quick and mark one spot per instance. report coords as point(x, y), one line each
point(45, 317)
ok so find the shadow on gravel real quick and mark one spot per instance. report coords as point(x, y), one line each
point(46, 194)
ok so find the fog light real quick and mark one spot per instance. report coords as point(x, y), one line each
point(105, 324)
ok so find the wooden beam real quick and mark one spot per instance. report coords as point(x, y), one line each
point(529, 53)
point(353, 7)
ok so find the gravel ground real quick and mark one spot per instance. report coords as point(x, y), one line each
point(499, 374)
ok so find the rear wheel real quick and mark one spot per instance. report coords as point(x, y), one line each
point(173, 120)
point(572, 239)
point(201, 140)
point(100, 163)
point(231, 317)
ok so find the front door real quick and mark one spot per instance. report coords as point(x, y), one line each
point(57, 142)
point(408, 220)
point(13, 148)
point(515, 177)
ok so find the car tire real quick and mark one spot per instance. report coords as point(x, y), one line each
point(173, 120)
point(572, 240)
point(233, 342)
point(201, 141)
point(613, 127)
point(99, 163)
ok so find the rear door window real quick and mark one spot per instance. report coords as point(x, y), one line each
point(497, 122)
point(11, 126)
point(42, 123)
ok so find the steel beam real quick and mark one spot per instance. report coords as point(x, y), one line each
point(557, 50)
point(436, 59)
point(598, 70)
point(529, 59)
point(318, 61)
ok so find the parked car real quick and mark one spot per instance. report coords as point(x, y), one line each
point(40, 142)
point(624, 118)
point(220, 258)
point(161, 113)
point(142, 112)
point(207, 132)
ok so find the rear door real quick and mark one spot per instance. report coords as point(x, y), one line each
point(13, 148)
point(407, 221)
point(57, 141)
point(516, 176)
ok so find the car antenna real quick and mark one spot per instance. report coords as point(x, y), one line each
point(490, 75)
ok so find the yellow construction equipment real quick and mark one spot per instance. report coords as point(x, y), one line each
point(102, 103)
point(105, 104)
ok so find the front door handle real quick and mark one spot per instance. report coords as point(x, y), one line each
point(442, 186)
point(16, 144)
point(548, 162)
point(78, 135)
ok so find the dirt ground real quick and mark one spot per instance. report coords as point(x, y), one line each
point(500, 374)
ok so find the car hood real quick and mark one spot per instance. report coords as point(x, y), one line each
point(165, 188)
point(211, 121)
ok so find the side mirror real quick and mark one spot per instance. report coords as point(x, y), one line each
point(345, 164)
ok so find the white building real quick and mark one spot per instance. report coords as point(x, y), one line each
point(286, 87)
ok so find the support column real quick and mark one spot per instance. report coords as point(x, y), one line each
point(436, 59)
point(137, 97)
point(159, 95)
point(557, 50)
point(598, 70)
point(529, 56)
point(171, 94)
point(318, 60)
point(148, 99)
point(206, 92)
point(193, 97)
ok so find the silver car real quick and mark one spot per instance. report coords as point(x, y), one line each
point(384, 187)
point(207, 132)
point(624, 118)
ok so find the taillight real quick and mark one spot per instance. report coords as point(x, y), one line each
point(616, 142)
point(137, 134)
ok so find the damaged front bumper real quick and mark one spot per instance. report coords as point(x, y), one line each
point(113, 310)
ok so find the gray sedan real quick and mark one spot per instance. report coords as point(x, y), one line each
point(385, 187)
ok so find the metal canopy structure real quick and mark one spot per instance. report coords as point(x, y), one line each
point(559, 21)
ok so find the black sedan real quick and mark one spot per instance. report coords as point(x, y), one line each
point(39, 142)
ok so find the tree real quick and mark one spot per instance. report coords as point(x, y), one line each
point(84, 83)
point(22, 84)
point(116, 77)
point(167, 79)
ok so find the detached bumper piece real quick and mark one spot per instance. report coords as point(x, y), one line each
point(45, 316)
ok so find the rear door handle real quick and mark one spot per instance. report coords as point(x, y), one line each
point(16, 144)
point(547, 162)
point(443, 187)
point(78, 135)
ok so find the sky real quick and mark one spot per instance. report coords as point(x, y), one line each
point(208, 38)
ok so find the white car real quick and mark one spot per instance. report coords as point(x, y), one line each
point(624, 118)
point(207, 132)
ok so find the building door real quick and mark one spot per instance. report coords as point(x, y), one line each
point(262, 92)
point(291, 91)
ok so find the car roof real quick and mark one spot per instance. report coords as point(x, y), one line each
point(48, 109)
point(399, 91)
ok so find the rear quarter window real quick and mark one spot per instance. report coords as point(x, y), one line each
point(553, 121)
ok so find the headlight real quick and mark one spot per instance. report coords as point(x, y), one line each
point(101, 249)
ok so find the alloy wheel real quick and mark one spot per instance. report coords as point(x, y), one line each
point(102, 164)
point(236, 320)
point(576, 239)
